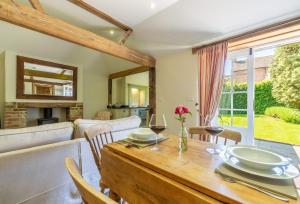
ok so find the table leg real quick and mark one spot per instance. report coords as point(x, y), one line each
point(114, 196)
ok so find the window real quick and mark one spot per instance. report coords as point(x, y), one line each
point(233, 104)
point(68, 90)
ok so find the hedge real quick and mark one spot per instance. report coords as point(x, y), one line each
point(287, 114)
point(263, 97)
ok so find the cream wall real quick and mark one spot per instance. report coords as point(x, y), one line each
point(2, 86)
point(141, 79)
point(11, 79)
point(176, 78)
point(91, 85)
point(95, 90)
point(94, 67)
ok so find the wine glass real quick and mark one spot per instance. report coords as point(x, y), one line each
point(214, 131)
point(157, 124)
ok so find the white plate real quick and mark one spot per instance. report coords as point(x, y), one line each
point(149, 139)
point(143, 133)
point(282, 172)
point(257, 158)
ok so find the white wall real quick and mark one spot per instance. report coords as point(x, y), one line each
point(92, 76)
point(94, 67)
point(11, 77)
point(95, 92)
point(141, 79)
point(2, 86)
point(176, 83)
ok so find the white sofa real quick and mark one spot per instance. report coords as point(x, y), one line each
point(32, 169)
point(120, 127)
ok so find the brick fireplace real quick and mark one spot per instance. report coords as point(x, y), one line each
point(15, 113)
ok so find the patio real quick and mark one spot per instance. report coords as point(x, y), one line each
point(290, 151)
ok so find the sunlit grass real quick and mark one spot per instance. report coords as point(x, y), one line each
point(269, 128)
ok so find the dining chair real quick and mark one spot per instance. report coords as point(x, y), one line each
point(226, 134)
point(88, 193)
point(97, 136)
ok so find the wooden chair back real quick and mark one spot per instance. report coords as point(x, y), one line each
point(97, 136)
point(88, 193)
point(200, 131)
point(226, 134)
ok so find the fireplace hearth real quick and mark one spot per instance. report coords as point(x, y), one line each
point(48, 119)
point(15, 113)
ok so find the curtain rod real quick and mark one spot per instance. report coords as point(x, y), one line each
point(255, 32)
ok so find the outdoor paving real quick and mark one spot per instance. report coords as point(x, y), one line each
point(290, 151)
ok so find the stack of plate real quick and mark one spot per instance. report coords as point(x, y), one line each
point(143, 135)
point(260, 162)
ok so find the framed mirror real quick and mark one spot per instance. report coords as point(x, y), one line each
point(38, 79)
point(132, 92)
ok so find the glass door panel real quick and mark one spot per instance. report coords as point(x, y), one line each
point(236, 105)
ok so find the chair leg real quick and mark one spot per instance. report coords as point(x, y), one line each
point(102, 186)
point(114, 196)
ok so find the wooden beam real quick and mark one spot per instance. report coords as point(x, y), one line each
point(100, 14)
point(35, 73)
point(152, 91)
point(37, 5)
point(46, 82)
point(63, 71)
point(276, 27)
point(128, 72)
point(274, 36)
point(32, 19)
point(125, 37)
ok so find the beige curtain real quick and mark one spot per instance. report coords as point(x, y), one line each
point(211, 76)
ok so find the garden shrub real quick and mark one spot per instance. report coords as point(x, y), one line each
point(285, 75)
point(287, 114)
point(263, 97)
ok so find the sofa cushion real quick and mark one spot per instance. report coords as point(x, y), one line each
point(119, 127)
point(38, 174)
point(14, 139)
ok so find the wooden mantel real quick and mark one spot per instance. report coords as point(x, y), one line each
point(18, 14)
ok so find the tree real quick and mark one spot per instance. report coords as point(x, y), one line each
point(285, 75)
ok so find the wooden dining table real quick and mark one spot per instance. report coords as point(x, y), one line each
point(140, 175)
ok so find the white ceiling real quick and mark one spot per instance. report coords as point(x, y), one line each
point(172, 25)
point(192, 22)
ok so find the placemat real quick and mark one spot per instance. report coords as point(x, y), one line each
point(283, 187)
point(140, 144)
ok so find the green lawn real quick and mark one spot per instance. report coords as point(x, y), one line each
point(269, 128)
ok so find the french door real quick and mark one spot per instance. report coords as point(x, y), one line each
point(236, 109)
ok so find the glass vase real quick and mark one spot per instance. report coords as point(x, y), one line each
point(183, 137)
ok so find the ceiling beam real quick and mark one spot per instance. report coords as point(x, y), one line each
point(34, 73)
point(127, 72)
point(125, 37)
point(100, 14)
point(32, 19)
point(63, 71)
point(37, 5)
point(46, 82)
